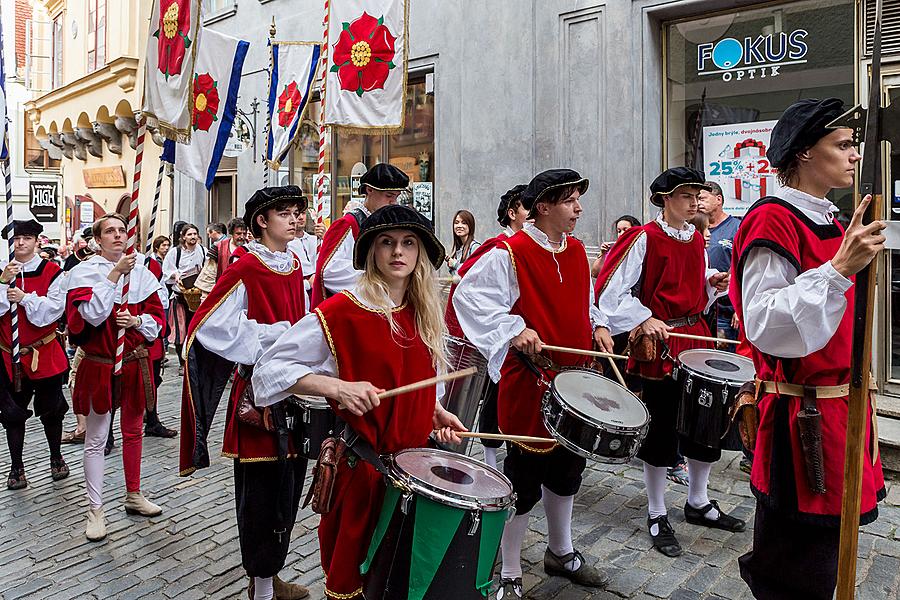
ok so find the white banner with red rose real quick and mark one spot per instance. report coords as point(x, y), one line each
point(365, 88)
point(293, 72)
point(169, 67)
point(215, 90)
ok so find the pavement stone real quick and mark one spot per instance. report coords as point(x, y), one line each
point(191, 551)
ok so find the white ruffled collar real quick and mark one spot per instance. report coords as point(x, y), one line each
point(282, 262)
point(684, 234)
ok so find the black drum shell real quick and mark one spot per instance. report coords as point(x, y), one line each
point(704, 425)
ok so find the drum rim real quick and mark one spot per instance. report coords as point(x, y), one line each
point(405, 482)
point(605, 426)
point(740, 358)
point(569, 445)
point(737, 383)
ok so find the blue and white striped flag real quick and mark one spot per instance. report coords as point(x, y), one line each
point(293, 72)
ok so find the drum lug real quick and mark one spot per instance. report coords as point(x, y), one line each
point(476, 521)
point(689, 384)
point(725, 395)
point(597, 441)
point(405, 502)
point(306, 446)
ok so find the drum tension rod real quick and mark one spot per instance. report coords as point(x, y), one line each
point(476, 521)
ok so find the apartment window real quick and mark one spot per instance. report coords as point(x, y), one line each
point(96, 35)
point(57, 51)
point(36, 158)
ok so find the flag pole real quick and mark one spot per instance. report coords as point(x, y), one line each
point(266, 165)
point(151, 229)
point(320, 177)
point(132, 240)
point(13, 306)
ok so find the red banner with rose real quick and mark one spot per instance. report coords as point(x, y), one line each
point(366, 76)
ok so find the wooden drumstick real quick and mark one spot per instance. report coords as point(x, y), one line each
point(412, 387)
point(612, 363)
point(582, 352)
point(504, 437)
point(704, 338)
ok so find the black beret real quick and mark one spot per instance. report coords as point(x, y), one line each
point(266, 197)
point(29, 227)
point(87, 232)
point(674, 178)
point(505, 200)
point(548, 181)
point(396, 216)
point(802, 125)
point(384, 178)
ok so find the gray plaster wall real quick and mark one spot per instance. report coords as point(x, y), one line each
point(520, 86)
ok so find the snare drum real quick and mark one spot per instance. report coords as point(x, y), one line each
point(710, 380)
point(318, 422)
point(594, 417)
point(439, 530)
point(464, 397)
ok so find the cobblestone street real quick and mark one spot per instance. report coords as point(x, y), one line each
point(191, 551)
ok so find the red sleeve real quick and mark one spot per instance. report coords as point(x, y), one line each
point(330, 244)
point(153, 306)
point(75, 297)
point(154, 267)
point(614, 258)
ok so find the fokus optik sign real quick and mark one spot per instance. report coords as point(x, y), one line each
point(755, 57)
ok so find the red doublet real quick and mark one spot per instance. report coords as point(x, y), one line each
point(672, 286)
point(51, 358)
point(554, 289)
point(223, 256)
point(271, 297)
point(157, 350)
point(387, 360)
point(453, 327)
point(779, 473)
point(334, 237)
point(238, 254)
point(93, 380)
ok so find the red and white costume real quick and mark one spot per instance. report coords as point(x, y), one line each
point(334, 264)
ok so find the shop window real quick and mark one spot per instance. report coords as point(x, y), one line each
point(729, 77)
point(411, 150)
point(36, 158)
point(96, 35)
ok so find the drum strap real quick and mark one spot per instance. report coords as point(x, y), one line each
point(531, 366)
point(363, 449)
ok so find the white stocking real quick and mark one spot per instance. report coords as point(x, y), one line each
point(96, 432)
point(511, 546)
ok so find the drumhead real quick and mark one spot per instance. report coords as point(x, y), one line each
point(448, 477)
point(717, 364)
point(600, 400)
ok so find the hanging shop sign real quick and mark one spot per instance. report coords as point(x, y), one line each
point(43, 200)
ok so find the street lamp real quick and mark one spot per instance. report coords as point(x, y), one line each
point(246, 131)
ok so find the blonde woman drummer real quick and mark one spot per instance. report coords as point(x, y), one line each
point(396, 308)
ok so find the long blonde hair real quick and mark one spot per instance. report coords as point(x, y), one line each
point(421, 292)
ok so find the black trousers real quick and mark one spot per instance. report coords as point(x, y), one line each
point(49, 404)
point(660, 447)
point(559, 470)
point(487, 420)
point(790, 559)
point(267, 496)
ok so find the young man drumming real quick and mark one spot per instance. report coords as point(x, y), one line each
point(535, 288)
point(665, 260)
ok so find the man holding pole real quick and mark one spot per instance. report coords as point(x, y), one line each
point(794, 268)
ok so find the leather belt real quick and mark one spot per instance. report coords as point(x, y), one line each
point(683, 321)
point(139, 353)
point(33, 348)
point(794, 389)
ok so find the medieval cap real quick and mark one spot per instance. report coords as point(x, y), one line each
point(29, 227)
point(384, 178)
point(548, 181)
point(396, 216)
point(512, 194)
point(674, 178)
point(803, 124)
point(267, 197)
point(88, 232)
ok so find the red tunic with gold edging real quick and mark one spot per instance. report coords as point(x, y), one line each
point(334, 237)
point(387, 360)
point(554, 292)
point(51, 359)
point(779, 473)
point(672, 286)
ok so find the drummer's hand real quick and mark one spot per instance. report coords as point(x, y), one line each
point(655, 329)
point(720, 281)
point(603, 339)
point(359, 397)
point(445, 423)
point(527, 342)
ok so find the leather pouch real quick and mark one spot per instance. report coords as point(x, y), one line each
point(324, 475)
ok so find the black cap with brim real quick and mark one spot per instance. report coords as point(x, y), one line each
point(391, 217)
point(550, 180)
point(29, 227)
point(505, 200)
point(270, 196)
point(384, 178)
point(803, 124)
point(674, 178)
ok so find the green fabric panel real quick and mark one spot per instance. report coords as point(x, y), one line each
point(435, 526)
point(492, 524)
point(391, 496)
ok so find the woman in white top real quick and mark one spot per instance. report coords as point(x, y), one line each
point(180, 269)
point(464, 243)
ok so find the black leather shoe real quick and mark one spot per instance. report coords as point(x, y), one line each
point(697, 516)
point(159, 430)
point(510, 589)
point(584, 575)
point(16, 479)
point(664, 540)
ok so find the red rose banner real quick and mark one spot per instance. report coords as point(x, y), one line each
point(206, 102)
point(366, 79)
point(293, 72)
point(169, 68)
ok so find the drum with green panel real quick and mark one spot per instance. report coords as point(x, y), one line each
point(439, 530)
